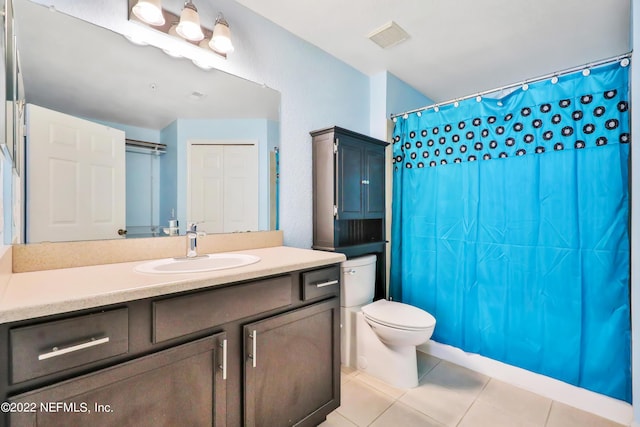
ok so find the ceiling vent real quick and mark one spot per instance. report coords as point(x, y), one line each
point(388, 35)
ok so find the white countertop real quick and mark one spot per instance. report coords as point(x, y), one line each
point(42, 293)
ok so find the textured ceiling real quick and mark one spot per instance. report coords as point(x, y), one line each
point(459, 47)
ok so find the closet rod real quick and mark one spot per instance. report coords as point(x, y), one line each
point(509, 86)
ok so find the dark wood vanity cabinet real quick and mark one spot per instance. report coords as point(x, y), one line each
point(349, 196)
point(261, 352)
point(289, 367)
point(183, 385)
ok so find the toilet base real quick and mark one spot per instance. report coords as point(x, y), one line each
point(395, 365)
point(348, 336)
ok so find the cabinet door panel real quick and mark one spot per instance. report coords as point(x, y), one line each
point(349, 184)
point(374, 187)
point(179, 386)
point(296, 378)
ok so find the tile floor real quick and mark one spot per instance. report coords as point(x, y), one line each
point(450, 395)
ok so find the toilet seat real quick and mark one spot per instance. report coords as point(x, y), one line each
point(398, 315)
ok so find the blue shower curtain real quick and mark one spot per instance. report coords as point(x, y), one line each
point(510, 225)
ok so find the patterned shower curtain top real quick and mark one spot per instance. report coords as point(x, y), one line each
point(582, 112)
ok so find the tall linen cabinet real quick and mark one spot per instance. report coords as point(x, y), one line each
point(349, 196)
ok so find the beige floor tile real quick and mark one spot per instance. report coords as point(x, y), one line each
point(516, 402)
point(401, 415)
point(380, 385)
point(482, 414)
point(361, 404)
point(348, 370)
point(445, 406)
point(446, 392)
point(426, 363)
point(455, 378)
point(334, 419)
point(562, 415)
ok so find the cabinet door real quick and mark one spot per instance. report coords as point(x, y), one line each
point(349, 191)
point(184, 385)
point(374, 183)
point(292, 367)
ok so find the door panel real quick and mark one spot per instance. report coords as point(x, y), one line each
point(206, 185)
point(350, 194)
point(76, 187)
point(223, 189)
point(374, 187)
point(296, 378)
point(240, 188)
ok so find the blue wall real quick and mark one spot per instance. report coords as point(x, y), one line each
point(168, 174)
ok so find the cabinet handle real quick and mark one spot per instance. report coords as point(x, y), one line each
point(55, 351)
point(329, 283)
point(365, 181)
point(254, 346)
point(224, 359)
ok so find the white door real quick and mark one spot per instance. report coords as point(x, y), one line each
point(223, 189)
point(76, 186)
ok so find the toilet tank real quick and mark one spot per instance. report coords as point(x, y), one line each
point(358, 281)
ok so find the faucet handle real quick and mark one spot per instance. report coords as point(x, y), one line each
point(193, 228)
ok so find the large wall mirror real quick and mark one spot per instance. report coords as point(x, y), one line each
point(188, 133)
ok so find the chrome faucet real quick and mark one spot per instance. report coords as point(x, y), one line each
point(192, 240)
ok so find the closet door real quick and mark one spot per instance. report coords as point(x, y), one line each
point(223, 187)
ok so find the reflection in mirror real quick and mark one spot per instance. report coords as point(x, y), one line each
point(188, 135)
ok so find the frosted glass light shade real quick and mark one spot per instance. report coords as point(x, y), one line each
point(221, 38)
point(149, 11)
point(189, 26)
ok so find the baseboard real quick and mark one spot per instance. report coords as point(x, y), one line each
point(595, 403)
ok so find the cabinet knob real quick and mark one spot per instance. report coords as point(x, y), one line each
point(365, 181)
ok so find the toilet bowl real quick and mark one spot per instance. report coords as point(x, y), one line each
point(396, 323)
point(379, 337)
point(388, 333)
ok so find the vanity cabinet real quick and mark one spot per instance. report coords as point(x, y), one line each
point(183, 385)
point(259, 352)
point(291, 365)
point(349, 196)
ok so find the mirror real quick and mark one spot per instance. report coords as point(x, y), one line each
point(77, 68)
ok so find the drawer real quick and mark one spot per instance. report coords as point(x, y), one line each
point(318, 283)
point(54, 346)
point(178, 316)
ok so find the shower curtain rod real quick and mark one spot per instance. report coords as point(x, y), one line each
point(509, 86)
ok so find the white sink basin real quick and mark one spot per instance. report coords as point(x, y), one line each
point(194, 265)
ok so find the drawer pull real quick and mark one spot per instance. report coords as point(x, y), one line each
point(329, 283)
point(254, 347)
point(59, 352)
point(224, 359)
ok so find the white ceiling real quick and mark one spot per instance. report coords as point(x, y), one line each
point(88, 71)
point(459, 47)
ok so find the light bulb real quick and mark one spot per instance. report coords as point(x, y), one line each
point(189, 26)
point(221, 38)
point(149, 11)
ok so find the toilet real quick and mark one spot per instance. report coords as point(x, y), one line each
point(380, 337)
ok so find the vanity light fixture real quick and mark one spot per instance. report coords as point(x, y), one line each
point(189, 26)
point(149, 11)
point(221, 38)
